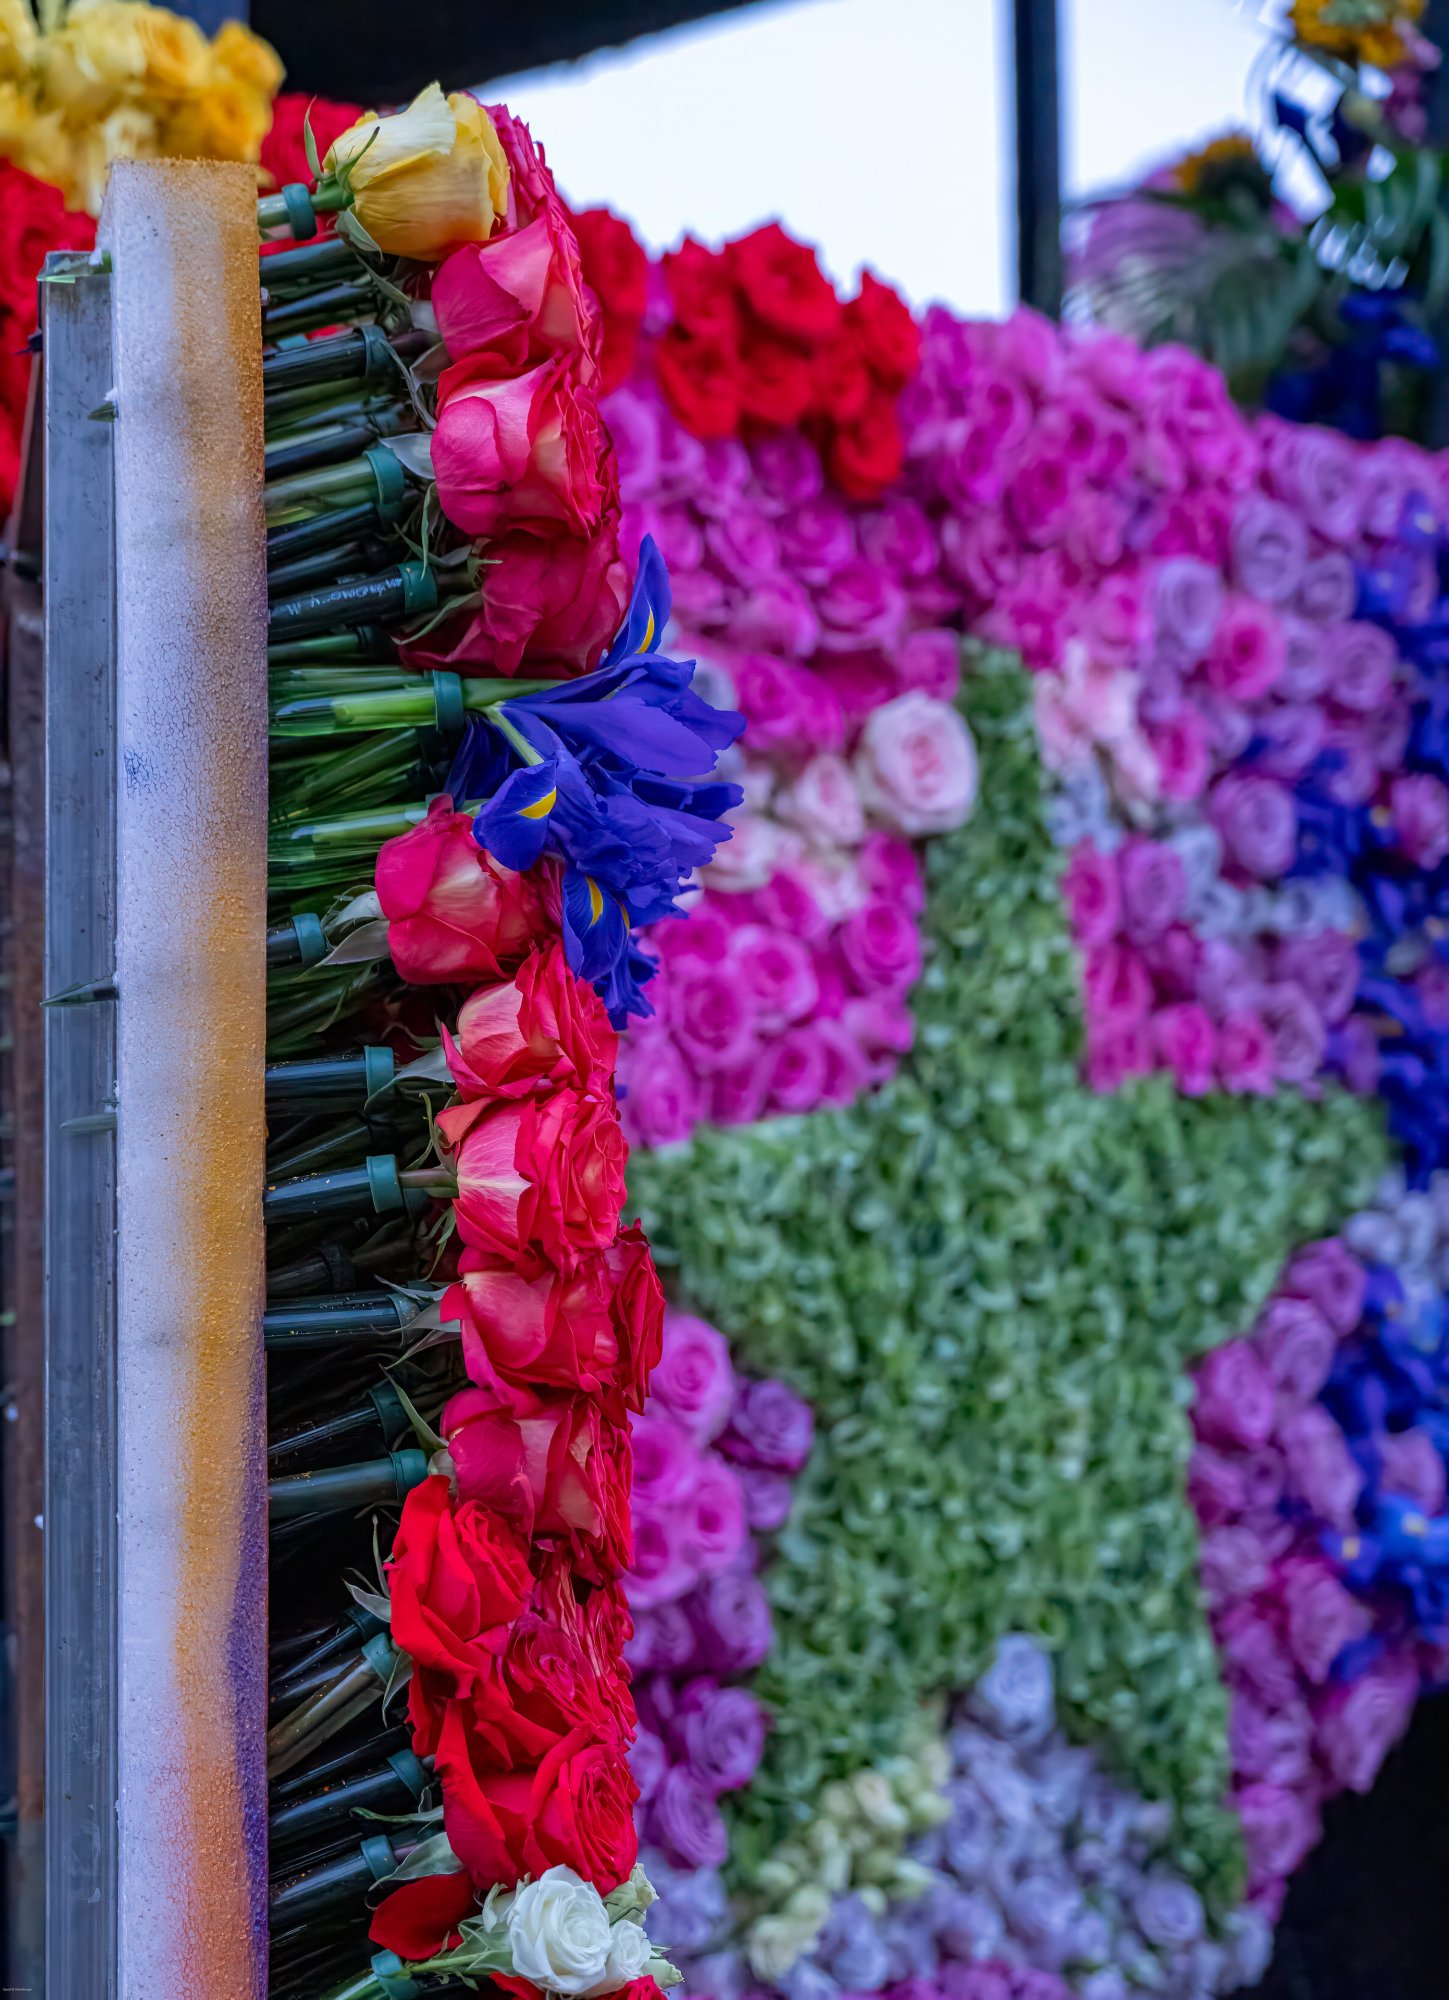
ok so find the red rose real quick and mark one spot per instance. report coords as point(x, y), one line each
point(518, 298)
point(549, 604)
point(866, 456)
point(597, 1330)
point(518, 452)
point(545, 1688)
point(33, 220)
point(521, 1333)
point(453, 913)
point(458, 1579)
point(542, 1176)
point(701, 292)
point(608, 1628)
point(841, 381)
point(545, 1027)
point(575, 1808)
point(616, 270)
point(530, 184)
point(547, 1466)
point(700, 378)
point(421, 1918)
point(783, 286)
point(776, 381)
point(880, 323)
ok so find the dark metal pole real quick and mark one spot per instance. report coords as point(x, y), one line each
point(1038, 156)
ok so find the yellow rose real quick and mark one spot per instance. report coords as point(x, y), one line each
point(97, 57)
point(432, 178)
point(247, 59)
point(17, 39)
point(227, 121)
point(178, 59)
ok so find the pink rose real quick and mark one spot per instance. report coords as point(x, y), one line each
point(1297, 1343)
point(1321, 1617)
point(898, 536)
point(861, 606)
point(787, 470)
point(1234, 1403)
point(776, 972)
point(1232, 1563)
point(712, 1016)
point(1329, 1275)
point(743, 545)
point(788, 902)
point(1419, 808)
point(518, 452)
point(1363, 663)
point(1256, 1656)
point(1246, 655)
point(929, 663)
point(519, 298)
point(785, 705)
point(916, 766)
point(817, 540)
point(548, 602)
point(890, 865)
point(981, 553)
point(737, 1094)
point(1270, 550)
point(846, 1071)
point(1092, 888)
point(1154, 887)
point(881, 948)
point(659, 1098)
point(1118, 987)
point(1258, 822)
point(1358, 1725)
point(1117, 1051)
point(1179, 743)
point(693, 1380)
point(1322, 1472)
point(824, 802)
point(1279, 1829)
point(797, 1070)
point(1245, 1055)
point(775, 616)
point(883, 1028)
point(713, 1518)
point(1186, 1044)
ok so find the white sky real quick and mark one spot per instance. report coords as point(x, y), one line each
point(879, 129)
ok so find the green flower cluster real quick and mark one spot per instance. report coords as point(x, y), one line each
point(856, 1844)
point(988, 1282)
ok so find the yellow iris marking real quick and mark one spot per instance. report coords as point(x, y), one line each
point(648, 634)
point(541, 808)
point(1351, 1547)
point(596, 900)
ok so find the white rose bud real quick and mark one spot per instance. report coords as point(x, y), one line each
point(558, 1932)
point(629, 1954)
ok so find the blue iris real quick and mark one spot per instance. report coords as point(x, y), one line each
point(612, 773)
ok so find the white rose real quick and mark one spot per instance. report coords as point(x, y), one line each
point(824, 802)
point(558, 1932)
point(629, 1954)
point(916, 766)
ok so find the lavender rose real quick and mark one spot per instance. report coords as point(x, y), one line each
point(648, 1761)
point(771, 1427)
point(1297, 1343)
point(693, 1378)
point(730, 1614)
point(1329, 1275)
point(1269, 549)
point(1234, 1397)
point(1329, 589)
point(1321, 1617)
point(1258, 821)
point(1362, 666)
point(1279, 1827)
point(1359, 1725)
point(1186, 599)
point(723, 1734)
point(1322, 1472)
point(768, 1497)
point(684, 1819)
point(1168, 1911)
point(1014, 1697)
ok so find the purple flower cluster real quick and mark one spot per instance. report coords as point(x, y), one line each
point(1321, 1688)
point(715, 1455)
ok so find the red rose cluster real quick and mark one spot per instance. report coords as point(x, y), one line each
point(33, 220)
point(522, 459)
point(760, 341)
point(505, 1577)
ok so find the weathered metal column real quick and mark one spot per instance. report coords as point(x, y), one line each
point(157, 722)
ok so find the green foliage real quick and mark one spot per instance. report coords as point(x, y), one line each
point(988, 1281)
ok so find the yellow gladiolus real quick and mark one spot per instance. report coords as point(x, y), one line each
point(426, 180)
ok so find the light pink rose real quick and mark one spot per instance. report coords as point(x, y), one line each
point(916, 766)
point(824, 802)
point(775, 616)
point(884, 1030)
point(817, 540)
point(712, 1017)
point(1093, 891)
point(1325, 965)
point(1307, 660)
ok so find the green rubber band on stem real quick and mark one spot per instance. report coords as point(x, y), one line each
point(409, 1469)
point(378, 1068)
point(377, 350)
point(448, 702)
point(393, 1418)
point(311, 938)
point(301, 216)
point(391, 480)
point(380, 1654)
point(410, 1770)
point(383, 1183)
point(393, 1977)
point(420, 587)
point(377, 1852)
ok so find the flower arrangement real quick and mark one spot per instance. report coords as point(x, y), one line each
point(495, 948)
point(98, 80)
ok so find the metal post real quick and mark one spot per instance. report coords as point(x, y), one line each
point(80, 1146)
point(1038, 156)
